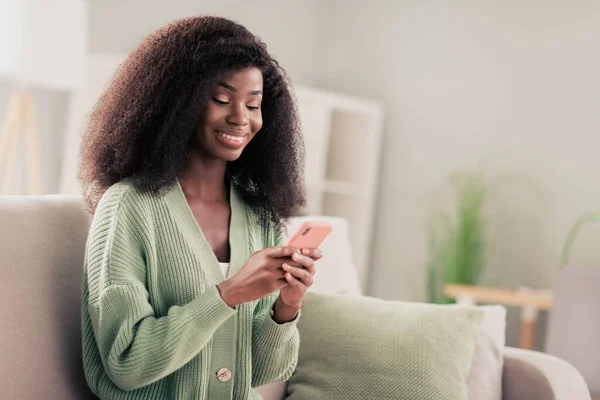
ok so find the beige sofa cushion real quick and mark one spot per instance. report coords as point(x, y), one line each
point(42, 241)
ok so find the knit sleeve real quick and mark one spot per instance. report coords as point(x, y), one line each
point(135, 346)
point(274, 346)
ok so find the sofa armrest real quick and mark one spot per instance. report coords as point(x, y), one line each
point(531, 375)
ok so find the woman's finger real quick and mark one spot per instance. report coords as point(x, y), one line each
point(279, 251)
point(315, 254)
point(305, 261)
point(302, 274)
point(293, 281)
point(276, 263)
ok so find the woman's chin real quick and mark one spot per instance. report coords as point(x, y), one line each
point(230, 155)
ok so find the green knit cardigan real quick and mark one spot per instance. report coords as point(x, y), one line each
point(154, 325)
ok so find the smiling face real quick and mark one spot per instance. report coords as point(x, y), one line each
point(232, 116)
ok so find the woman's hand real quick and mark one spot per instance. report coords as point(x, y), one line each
point(260, 276)
point(299, 277)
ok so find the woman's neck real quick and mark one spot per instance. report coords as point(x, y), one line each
point(204, 179)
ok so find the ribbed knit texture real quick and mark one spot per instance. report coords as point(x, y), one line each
point(154, 324)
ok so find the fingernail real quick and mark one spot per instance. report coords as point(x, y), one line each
point(305, 251)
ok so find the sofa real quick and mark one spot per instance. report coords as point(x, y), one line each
point(42, 241)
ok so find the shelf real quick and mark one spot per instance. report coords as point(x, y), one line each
point(339, 187)
point(344, 188)
point(352, 210)
point(340, 101)
point(353, 141)
point(336, 205)
point(342, 136)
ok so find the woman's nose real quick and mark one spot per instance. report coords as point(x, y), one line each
point(238, 116)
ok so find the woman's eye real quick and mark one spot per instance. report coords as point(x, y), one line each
point(253, 108)
point(219, 101)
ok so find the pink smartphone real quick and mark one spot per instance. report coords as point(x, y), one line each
point(310, 235)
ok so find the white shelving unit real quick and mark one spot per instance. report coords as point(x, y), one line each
point(343, 144)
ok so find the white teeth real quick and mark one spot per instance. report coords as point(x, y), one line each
point(236, 138)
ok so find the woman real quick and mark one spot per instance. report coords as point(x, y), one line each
point(191, 163)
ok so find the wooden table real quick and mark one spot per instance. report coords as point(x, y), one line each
point(529, 300)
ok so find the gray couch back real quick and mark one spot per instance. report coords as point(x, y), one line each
point(42, 243)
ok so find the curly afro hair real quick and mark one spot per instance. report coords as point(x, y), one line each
point(142, 126)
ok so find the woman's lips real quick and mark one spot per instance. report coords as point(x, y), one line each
point(232, 139)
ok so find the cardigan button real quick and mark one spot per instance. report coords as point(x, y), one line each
point(224, 375)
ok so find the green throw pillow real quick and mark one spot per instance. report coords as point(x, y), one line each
point(365, 348)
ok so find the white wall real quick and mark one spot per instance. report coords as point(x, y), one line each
point(292, 30)
point(513, 86)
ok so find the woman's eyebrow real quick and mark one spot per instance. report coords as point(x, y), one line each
point(231, 88)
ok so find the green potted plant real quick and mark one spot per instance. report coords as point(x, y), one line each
point(456, 241)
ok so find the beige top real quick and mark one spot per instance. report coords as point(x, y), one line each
point(224, 268)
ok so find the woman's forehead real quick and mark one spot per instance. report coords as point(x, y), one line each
point(250, 78)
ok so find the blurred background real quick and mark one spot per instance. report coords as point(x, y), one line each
point(461, 133)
